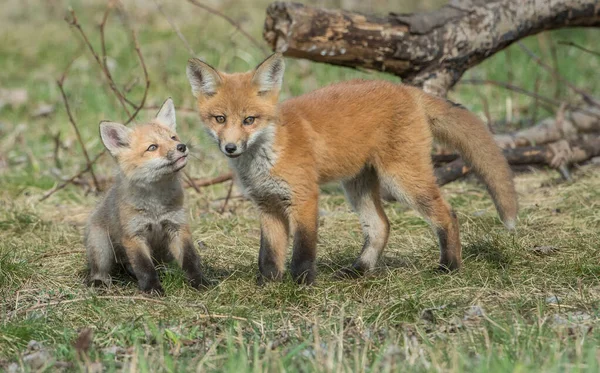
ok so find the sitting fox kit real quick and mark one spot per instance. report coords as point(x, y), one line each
point(365, 133)
point(141, 219)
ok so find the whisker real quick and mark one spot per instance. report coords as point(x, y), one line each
point(191, 155)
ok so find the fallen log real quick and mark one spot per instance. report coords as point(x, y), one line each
point(565, 126)
point(430, 49)
point(557, 155)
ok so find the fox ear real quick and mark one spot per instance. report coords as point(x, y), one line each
point(166, 114)
point(268, 76)
point(115, 136)
point(203, 78)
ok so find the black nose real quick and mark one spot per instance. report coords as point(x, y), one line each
point(181, 147)
point(230, 148)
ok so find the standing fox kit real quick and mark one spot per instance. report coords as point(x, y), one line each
point(142, 219)
point(365, 133)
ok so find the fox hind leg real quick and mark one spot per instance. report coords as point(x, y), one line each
point(362, 192)
point(100, 256)
point(415, 183)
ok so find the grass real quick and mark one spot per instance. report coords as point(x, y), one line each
point(511, 308)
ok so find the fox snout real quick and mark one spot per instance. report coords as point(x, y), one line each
point(232, 149)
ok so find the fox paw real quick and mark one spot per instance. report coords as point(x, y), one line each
point(351, 272)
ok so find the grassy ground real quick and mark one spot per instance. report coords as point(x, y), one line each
point(514, 306)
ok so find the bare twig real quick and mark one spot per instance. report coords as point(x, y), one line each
point(511, 87)
point(231, 22)
point(547, 102)
point(178, 109)
point(60, 83)
point(227, 197)
point(554, 55)
point(588, 98)
point(146, 77)
point(61, 253)
point(571, 44)
point(175, 28)
point(55, 153)
point(216, 180)
point(536, 89)
point(191, 182)
point(75, 23)
point(73, 178)
point(126, 297)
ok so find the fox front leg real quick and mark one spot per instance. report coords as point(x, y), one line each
point(181, 247)
point(139, 257)
point(305, 219)
point(274, 236)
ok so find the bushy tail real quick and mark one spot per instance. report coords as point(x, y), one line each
point(459, 128)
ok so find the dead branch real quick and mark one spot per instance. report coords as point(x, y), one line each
point(583, 93)
point(60, 83)
point(550, 103)
point(567, 125)
point(227, 197)
point(175, 28)
point(72, 178)
point(73, 21)
point(231, 21)
point(557, 155)
point(430, 49)
point(571, 44)
point(191, 182)
point(216, 180)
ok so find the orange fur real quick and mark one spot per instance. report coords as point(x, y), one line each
point(365, 133)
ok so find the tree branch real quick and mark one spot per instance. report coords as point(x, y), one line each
point(431, 49)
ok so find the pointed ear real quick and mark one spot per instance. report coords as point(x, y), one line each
point(268, 76)
point(115, 136)
point(204, 79)
point(166, 114)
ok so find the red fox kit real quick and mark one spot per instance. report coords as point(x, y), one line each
point(141, 219)
point(364, 133)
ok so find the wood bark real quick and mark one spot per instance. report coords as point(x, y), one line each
point(430, 49)
point(558, 155)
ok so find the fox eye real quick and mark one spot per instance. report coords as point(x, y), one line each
point(249, 121)
point(152, 148)
point(220, 119)
point(174, 138)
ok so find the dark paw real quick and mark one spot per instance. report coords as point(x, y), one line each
point(202, 283)
point(351, 272)
point(153, 288)
point(268, 273)
point(263, 278)
point(99, 283)
point(304, 273)
point(448, 268)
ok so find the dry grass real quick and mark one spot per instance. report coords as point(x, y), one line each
point(512, 308)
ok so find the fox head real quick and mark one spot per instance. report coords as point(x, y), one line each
point(148, 152)
point(239, 110)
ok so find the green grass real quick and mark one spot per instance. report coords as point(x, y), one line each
point(495, 315)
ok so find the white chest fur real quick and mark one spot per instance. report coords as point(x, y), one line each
point(253, 172)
